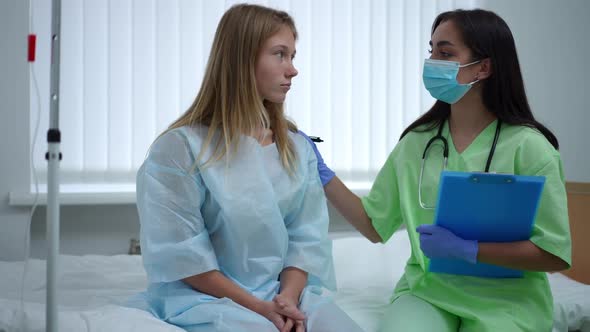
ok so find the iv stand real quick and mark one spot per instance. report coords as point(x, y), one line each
point(53, 157)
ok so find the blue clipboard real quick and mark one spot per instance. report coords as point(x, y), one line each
point(487, 207)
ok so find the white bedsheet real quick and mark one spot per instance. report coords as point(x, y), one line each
point(92, 289)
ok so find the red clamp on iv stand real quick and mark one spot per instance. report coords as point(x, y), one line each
point(32, 47)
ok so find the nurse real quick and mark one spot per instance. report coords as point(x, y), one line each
point(475, 76)
point(234, 221)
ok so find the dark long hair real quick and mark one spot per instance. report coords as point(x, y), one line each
point(488, 36)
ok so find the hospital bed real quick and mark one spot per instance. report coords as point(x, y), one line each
point(93, 288)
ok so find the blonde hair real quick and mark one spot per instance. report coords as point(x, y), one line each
point(228, 100)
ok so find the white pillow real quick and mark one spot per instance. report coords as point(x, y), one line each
point(571, 303)
point(367, 274)
point(360, 263)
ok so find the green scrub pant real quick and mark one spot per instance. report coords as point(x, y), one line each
point(409, 313)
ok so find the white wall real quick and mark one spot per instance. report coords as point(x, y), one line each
point(14, 123)
point(551, 40)
point(552, 43)
point(104, 229)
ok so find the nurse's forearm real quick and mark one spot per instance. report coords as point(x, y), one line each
point(523, 255)
point(350, 207)
point(293, 280)
point(216, 284)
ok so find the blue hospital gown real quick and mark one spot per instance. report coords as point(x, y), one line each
point(246, 218)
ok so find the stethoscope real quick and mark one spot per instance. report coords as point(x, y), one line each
point(445, 144)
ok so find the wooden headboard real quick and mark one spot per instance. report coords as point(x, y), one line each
point(578, 196)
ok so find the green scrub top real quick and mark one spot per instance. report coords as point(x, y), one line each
point(393, 200)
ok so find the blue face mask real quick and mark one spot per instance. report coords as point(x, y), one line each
point(440, 79)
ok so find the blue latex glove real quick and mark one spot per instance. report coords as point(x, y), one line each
point(439, 242)
point(326, 174)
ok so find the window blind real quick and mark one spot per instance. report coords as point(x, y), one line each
point(130, 67)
